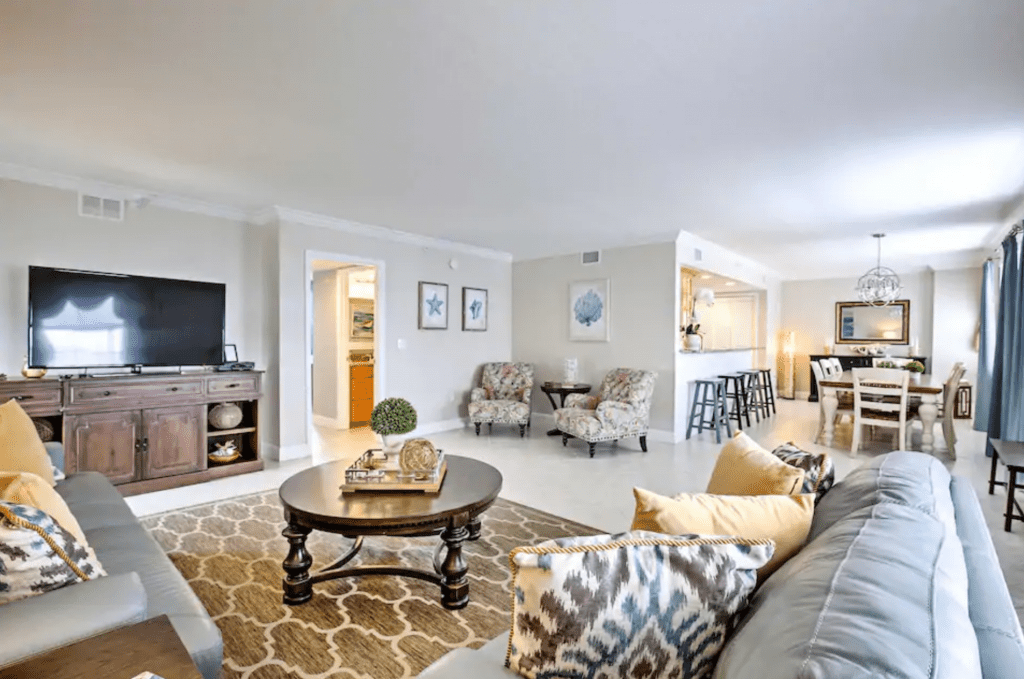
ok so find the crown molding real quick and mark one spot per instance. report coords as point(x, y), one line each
point(68, 182)
point(286, 214)
point(260, 217)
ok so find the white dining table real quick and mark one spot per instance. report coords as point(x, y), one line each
point(927, 387)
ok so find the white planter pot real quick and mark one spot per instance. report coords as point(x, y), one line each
point(392, 443)
point(692, 342)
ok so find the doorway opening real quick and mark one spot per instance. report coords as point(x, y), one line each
point(345, 359)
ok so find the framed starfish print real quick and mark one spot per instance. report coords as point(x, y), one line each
point(433, 306)
point(474, 309)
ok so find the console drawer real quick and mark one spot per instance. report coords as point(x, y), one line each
point(36, 397)
point(115, 393)
point(231, 385)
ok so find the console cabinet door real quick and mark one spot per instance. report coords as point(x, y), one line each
point(105, 443)
point(174, 440)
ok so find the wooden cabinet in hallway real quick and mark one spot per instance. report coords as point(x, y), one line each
point(361, 395)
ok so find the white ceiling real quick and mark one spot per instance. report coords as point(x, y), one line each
point(788, 130)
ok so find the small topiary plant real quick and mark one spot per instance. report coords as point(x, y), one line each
point(915, 367)
point(393, 416)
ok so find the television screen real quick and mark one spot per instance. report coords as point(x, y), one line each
point(83, 319)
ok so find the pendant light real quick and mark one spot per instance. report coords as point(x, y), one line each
point(879, 286)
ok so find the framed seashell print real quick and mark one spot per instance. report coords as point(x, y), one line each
point(588, 311)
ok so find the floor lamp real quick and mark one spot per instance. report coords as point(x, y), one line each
point(786, 364)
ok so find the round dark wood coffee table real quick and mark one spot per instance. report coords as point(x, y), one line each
point(313, 500)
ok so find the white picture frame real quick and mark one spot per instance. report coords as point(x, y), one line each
point(433, 314)
point(474, 309)
point(589, 313)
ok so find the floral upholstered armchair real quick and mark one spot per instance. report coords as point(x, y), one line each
point(621, 408)
point(503, 396)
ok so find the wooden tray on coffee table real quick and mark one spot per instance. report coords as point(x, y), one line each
point(378, 471)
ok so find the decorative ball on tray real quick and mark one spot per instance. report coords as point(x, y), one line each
point(418, 455)
point(914, 367)
point(225, 416)
point(391, 418)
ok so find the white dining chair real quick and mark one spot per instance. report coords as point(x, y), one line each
point(947, 408)
point(889, 388)
point(826, 368)
point(842, 410)
point(837, 366)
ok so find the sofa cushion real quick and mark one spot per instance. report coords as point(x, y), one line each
point(94, 501)
point(745, 468)
point(880, 593)
point(819, 470)
point(783, 519)
point(902, 477)
point(37, 555)
point(21, 449)
point(636, 604)
point(1000, 641)
point(29, 489)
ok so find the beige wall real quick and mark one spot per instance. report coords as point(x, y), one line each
point(41, 226)
point(327, 339)
point(643, 290)
point(263, 267)
point(957, 311)
point(808, 307)
point(436, 368)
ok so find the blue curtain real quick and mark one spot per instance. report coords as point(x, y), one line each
point(986, 345)
point(1005, 420)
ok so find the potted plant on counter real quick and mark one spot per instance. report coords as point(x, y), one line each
point(693, 340)
point(391, 418)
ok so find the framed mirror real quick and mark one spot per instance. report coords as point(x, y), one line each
point(859, 323)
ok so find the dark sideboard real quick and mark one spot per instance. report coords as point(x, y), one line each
point(849, 362)
point(146, 432)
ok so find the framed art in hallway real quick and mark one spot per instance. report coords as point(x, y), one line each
point(474, 309)
point(588, 311)
point(433, 306)
point(362, 319)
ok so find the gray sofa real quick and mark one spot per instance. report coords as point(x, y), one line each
point(899, 578)
point(141, 583)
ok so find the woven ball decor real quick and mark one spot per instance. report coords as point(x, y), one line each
point(418, 455)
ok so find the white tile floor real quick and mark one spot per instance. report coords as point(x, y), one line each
point(540, 473)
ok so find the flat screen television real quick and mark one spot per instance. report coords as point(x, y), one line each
point(85, 319)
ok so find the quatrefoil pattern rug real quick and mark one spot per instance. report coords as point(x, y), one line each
point(381, 627)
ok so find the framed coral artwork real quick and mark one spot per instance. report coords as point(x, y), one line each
point(588, 311)
point(474, 309)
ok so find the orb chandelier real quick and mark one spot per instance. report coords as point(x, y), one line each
point(879, 286)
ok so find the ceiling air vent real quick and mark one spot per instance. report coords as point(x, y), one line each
point(99, 207)
point(592, 257)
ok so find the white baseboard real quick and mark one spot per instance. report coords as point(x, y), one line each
point(329, 422)
point(435, 427)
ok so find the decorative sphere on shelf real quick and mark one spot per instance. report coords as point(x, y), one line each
point(418, 455)
point(225, 416)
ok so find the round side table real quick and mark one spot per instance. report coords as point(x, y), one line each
point(562, 390)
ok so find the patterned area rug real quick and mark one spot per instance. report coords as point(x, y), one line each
point(381, 627)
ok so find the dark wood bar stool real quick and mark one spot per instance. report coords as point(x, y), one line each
point(768, 387)
point(709, 393)
point(736, 389)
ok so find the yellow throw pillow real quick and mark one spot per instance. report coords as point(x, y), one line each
point(21, 449)
point(29, 489)
point(745, 468)
point(785, 519)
